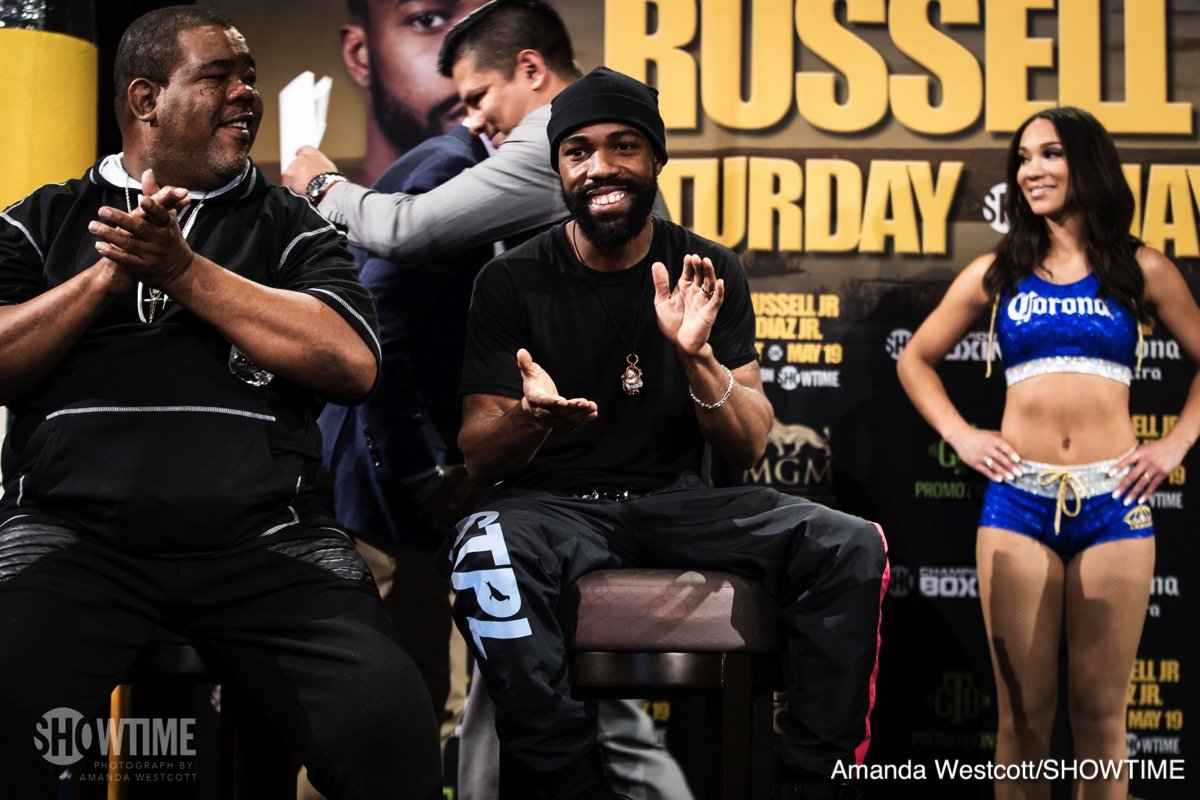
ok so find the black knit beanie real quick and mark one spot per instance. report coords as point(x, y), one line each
point(604, 95)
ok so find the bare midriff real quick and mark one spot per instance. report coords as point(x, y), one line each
point(1068, 418)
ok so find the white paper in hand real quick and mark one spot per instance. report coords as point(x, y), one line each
point(303, 106)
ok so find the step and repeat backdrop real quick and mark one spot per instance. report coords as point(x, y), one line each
point(852, 151)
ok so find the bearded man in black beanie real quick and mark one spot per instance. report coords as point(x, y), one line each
point(603, 357)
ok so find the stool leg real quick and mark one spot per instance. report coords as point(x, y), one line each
point(264, 766)
point(119, 705)
point(738, 723)
point(761, 761)
point(714, 745)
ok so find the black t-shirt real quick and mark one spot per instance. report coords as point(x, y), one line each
point(580, 325)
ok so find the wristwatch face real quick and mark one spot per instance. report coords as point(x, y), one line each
point(316, 186)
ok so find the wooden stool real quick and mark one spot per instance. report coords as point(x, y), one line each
point(655, 632)
point(254, 761)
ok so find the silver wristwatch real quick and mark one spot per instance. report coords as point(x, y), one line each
point(320, 184)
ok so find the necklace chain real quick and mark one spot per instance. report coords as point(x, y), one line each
point(157, 297)
point(632, 376)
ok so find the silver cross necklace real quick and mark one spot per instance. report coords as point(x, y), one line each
point(149, 299)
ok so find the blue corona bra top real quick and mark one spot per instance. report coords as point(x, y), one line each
point(1045, 327)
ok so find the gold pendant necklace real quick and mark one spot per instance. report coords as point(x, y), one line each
point(632, 377)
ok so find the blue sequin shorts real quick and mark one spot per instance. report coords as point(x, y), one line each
point(1066, 508)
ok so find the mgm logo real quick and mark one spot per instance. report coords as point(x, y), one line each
point(797, 456)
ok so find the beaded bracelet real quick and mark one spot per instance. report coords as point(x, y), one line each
point(724, 397)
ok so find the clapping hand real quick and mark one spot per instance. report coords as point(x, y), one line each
point(146, 241)
point(686, 313)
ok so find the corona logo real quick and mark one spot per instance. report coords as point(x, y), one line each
point(1138, 518)
point(1161, 349)
point(1024, 306)
point(1165, 586)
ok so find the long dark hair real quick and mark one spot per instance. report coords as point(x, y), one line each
point(1097, 190)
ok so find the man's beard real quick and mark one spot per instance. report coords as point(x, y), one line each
point(178, 163)
point(228, 167)
point(401, 127)
point(612, 234)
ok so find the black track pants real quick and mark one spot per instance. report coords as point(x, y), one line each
point(826, 569)
point(294, 618)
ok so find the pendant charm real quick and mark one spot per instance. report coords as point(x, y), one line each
point(151, 301)
point(157, 300)
point(631, 378)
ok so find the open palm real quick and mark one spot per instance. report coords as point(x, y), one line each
point(686, 313)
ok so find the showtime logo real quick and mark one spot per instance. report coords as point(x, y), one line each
point(993, 208)
point(63, 735)
point(896, 341)
point(1153, 745)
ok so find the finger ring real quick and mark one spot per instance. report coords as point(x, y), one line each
point(1146, 476)
point(707, 292)
point(987, 462)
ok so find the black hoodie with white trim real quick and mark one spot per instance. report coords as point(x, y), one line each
point(143, 434)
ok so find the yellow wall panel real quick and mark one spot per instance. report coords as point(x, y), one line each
point(49, 99)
